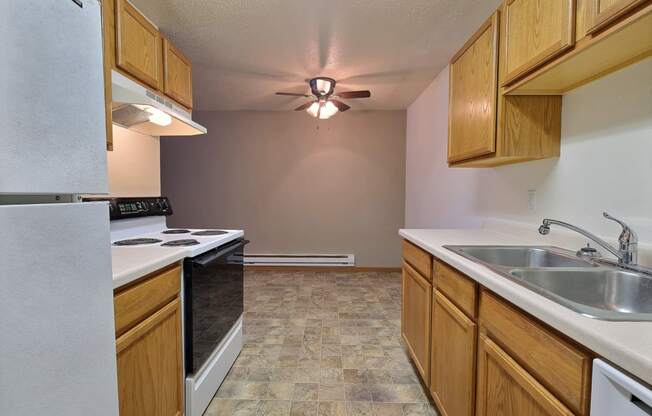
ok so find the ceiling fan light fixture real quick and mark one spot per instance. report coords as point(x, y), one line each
point(313, 110)
point(326, 103)
point(328, 109)
point(324, 86)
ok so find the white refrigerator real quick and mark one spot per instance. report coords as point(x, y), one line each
point(57, 345)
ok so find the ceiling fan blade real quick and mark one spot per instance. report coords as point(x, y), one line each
point(340, 105)
point(304, 106)
point(354, 94)
point(292, 94)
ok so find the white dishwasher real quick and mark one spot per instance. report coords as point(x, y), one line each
point(615, 394)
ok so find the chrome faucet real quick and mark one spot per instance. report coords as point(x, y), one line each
point(627, 250)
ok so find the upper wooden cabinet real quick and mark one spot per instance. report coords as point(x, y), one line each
point(506, 83)
point(138, 45)
point(473, 95)
point(486, 128)
point(535, 32)
point(604, 12)
point(107, 46)
point(415, 318)
point(610, 34)
point(177, 74)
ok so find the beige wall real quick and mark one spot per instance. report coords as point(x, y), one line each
point(295, 185)
point(134, 164)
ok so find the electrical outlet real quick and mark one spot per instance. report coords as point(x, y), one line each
point(532, 199)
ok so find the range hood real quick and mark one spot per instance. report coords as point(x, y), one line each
point(139, 109)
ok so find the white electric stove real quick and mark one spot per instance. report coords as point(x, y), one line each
point(212, 288)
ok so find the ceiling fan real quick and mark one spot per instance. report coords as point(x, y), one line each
point(325, 104)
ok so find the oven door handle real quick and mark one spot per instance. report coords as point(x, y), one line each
point(210, 257)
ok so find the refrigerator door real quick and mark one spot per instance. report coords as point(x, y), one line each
point(57, 354)
point(52, 131)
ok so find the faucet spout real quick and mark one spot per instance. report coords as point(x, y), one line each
point(626, 253)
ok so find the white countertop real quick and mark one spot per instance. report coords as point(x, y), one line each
point(626, 344)
point(133, 262)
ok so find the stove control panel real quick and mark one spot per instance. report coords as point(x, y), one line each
point(122, 208)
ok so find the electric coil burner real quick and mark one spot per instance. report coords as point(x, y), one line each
point(209, 232)
point(175, 232)
point(180, 243)
point(137, 242)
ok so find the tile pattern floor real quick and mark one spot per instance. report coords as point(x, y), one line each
point(322, 344)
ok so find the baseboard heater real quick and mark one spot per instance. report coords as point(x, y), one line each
point(331, 260)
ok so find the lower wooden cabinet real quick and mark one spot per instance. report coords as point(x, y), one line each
point(452, 366)
point(149, 346)
point(506, 389)
point(415, 318)
point(482, 356)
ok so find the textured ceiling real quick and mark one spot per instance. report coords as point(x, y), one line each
point(245, 50)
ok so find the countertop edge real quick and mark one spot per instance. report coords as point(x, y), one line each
point(577, 327)
point(136, 273)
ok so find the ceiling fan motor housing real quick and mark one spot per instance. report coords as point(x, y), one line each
point(322, 86)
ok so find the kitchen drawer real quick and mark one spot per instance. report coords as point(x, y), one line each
point(135, 303)
point(560, 366)
point(461, 290)
point(419, 259)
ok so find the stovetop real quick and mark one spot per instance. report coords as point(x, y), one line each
point(130, 262)
point(165, 238)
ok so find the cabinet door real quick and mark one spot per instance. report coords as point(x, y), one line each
point(506, 389)
point(107, 51)
point(415, 318)
point(452, 374)
point(535, 32)
point(473, 95)
point(138, 48)
point(604, 12)
point(178, 74)
point(150, 372)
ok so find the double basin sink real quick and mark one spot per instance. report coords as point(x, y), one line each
point(587, 287)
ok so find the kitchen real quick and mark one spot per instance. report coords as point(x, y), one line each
point(471, 238)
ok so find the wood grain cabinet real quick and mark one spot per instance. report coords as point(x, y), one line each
point(107, 56)
point(561, 366)
point(138, 45)
point(473, 95)
point(535, 32)
point(487, 128)
point(506, 389)
point(177, 74)
point(452, 366)
point(482, 356)
point(415, 318)
point(149, 346)
point(604, 12)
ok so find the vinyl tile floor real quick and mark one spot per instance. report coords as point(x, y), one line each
point(322, 344)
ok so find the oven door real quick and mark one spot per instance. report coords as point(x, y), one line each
point(213, 300)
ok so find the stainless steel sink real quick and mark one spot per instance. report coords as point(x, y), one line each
point(521, 256)
point(603, 293)
point(593, 288)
